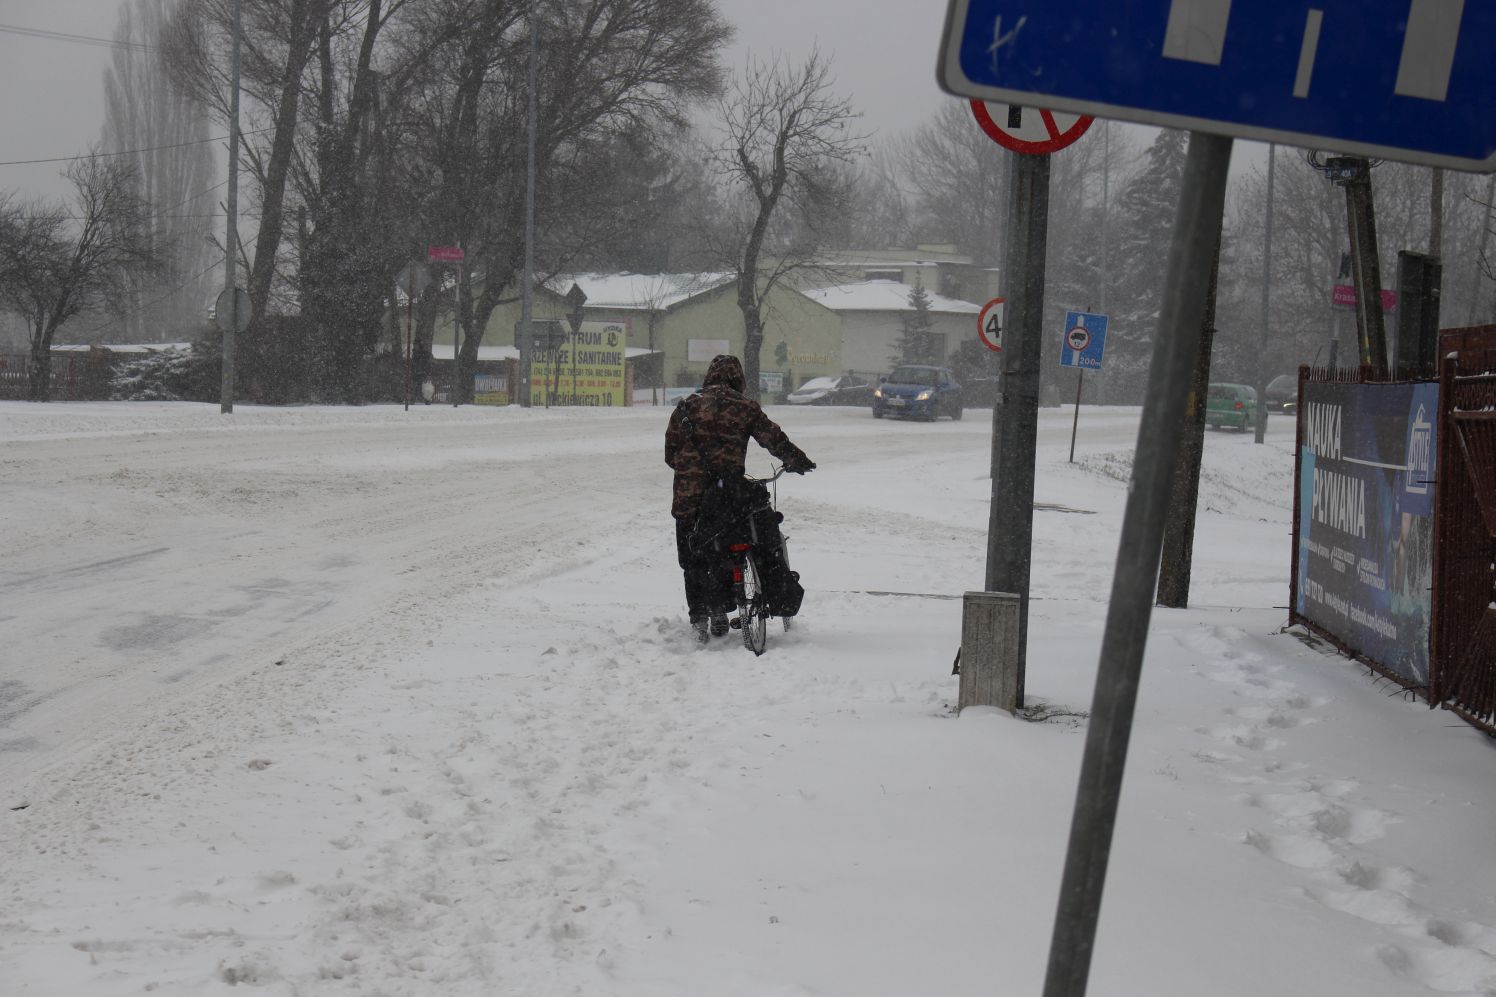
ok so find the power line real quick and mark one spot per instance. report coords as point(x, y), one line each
point(193, 197)
point(128, 152)
point(114, 320)
point(168, 212)
point(63, 36)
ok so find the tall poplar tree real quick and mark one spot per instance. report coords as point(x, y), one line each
point(164, 135)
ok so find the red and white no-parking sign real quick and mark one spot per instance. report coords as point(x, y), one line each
point(990, 325)
point(1029, 129)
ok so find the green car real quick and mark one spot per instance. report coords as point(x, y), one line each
point(1231, 405)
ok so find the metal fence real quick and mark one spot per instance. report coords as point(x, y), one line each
point(75, 376)
point(1462, 581)
point(1464, 631)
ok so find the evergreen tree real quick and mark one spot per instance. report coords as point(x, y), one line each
point(1149, 202)
point(916, 342)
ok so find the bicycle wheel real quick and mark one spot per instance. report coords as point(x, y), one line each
point(753, 610)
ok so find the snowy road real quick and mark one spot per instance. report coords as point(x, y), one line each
point(332, 701)
point(141, 565)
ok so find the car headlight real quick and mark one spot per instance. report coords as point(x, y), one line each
point(923, 396)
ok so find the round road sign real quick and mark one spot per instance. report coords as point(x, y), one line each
point(224, 313)
point(1078, 338)
point(1029, 129)
point(990, 325)
point(413, 279)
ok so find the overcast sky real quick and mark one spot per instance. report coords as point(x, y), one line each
point(53, 102)
point(53, 106)
point(884, 54)
point(884, 57)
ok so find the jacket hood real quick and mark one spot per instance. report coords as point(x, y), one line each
point(725, 369)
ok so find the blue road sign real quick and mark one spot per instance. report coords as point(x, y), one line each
point(1084, 340)
point(1403, 79)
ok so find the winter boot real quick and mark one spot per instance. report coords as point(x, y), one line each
point(700, 626)
point(719, 625)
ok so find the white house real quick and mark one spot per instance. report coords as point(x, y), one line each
point(872, 313)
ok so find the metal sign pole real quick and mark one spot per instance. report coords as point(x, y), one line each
point(410, 308)
point(457, 337)
point(1080, 378)
point(1197, 227)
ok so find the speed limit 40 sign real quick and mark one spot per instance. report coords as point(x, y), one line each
point(990, 325)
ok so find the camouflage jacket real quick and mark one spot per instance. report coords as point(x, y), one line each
point(709, 431)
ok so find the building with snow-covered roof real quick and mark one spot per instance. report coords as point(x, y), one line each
point(871, 316)
point(676, 323)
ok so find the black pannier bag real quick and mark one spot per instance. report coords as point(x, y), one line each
point(735, 510)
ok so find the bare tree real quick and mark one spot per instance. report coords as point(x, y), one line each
point(606, 67)
point(787, 139)
point(959, 180)
point(357, 204)
point(880, 212)
point(280, 38)
point(1482, 267)
point(57, 260)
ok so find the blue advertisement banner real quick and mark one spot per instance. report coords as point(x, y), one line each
point(1364, 560)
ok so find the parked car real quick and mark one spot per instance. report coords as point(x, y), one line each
point(1282, 393)
point(1231, 405)
point(848, 389)
point(918, 391)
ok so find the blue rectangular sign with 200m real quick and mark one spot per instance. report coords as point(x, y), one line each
point(1084, 341)
point(1403, 79)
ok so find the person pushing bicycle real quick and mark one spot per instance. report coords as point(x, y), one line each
point(705, 442)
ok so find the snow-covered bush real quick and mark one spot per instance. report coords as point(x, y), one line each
point(166, 376)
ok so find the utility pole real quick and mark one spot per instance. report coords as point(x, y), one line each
point(231, 235)
point(1361, 219)
point(1178, 555)
point(1015, 417)
point(527, 294)
point(1267, 277)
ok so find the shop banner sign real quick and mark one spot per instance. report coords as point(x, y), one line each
point(1364, 562)
point(490, 389)
point(588, 368)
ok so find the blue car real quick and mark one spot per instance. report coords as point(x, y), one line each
point(919, 392)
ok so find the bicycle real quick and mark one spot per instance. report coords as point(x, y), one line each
point(749, 557)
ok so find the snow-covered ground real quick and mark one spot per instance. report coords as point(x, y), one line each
point(366, 701)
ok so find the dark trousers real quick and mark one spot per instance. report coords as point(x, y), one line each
point(708, 579)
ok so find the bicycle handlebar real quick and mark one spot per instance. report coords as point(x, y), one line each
point(778, 473)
